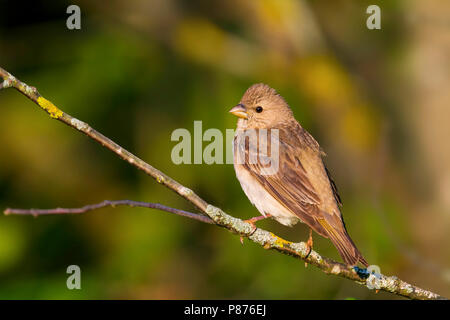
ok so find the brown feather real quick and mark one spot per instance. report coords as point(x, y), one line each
point(302, 184)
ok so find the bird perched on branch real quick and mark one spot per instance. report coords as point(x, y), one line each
point(292, 183)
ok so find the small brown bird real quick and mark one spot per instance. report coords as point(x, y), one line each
point(300, 189)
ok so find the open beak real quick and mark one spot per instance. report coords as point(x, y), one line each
point(239, 111)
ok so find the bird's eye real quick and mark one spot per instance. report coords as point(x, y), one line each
point(259, 109)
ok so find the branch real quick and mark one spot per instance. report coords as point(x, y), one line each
point(108, 203)
point(262, 237)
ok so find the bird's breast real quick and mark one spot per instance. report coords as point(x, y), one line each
point(262, 199)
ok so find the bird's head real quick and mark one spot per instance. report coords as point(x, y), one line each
point(262, 107)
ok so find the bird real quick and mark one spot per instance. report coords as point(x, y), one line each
point(300, 189)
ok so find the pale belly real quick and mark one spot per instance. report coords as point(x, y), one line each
point(263, 200)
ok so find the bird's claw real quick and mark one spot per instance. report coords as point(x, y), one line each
point(309, 244)
point(250, 221)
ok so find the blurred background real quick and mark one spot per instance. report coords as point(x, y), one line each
point(376, 100)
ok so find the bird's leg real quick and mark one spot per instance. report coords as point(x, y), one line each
point(252, 222)
point(309, 244)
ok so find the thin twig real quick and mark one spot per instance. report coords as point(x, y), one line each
point(108, 203)
point(262, 237)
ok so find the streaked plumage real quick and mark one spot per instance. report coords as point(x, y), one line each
point(301, 189)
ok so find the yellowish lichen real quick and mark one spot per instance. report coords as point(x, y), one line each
point(279, 241)
point(52, 110)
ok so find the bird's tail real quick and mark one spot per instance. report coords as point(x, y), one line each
point(344, 244)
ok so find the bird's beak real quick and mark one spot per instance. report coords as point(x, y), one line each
point(239, 111)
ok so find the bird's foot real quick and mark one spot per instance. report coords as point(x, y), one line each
point(252, 222)
point(309, 244)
